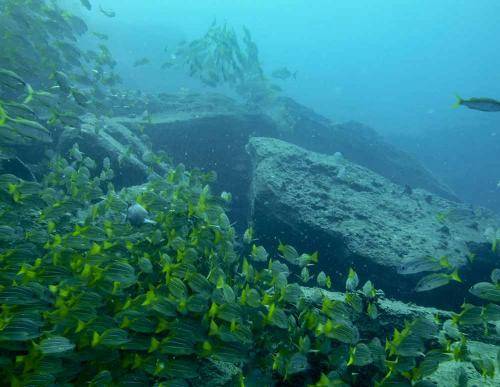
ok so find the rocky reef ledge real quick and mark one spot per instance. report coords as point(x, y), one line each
point(357, 218)
point(392, 314)
point(210, 131)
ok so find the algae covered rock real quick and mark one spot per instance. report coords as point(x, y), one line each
point(355, 217)
point(452, 373)
point(103, 137)
point(394, 314)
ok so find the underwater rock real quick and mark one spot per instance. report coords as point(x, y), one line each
point(393, 314)
point(208, 132)
point(452, 373)
point(359, 143)
point(355, 217)
point(103, 137)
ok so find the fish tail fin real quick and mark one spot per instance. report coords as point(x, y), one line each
point(454, 276)
point(458, 102)
point(30, 92)
point(444, 262)
point(54, 116)
point(471, 257)
point(3, 115)
point(294, 75)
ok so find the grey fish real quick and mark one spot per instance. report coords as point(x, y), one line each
point(283, 73)
point(141, 62)
point(80, 97)
point(63, 81)
point(78, 25)
point(436, 280)
point(138, 215)
point(108, 13)
point(86, 4)
point(15, 109)
point(423, 264)
point(100, 35)
point(10, 79)
point(486, 291)
point(483, 104)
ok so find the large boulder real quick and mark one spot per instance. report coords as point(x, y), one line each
point(210, 131)
point(358, 142)
point(357, 218)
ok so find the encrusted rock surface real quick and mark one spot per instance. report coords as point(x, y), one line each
point(210, 131)
point(355, 217)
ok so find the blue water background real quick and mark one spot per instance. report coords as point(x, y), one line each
point(394, 65)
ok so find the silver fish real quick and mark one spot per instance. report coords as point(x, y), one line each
point(423, 264)
point(138, 215)
point(436, 280)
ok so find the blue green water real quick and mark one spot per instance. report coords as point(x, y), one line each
point(173, 212)
point(394, 65)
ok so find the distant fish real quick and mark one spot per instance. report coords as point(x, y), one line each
point(483, 104)
point(108, 13)
point(167, 65)
point(283, 73)
point(138, 215)
point(63, 81)
point(100, 35)
point(78, 25)
point(141, 62)
point(86, 4)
